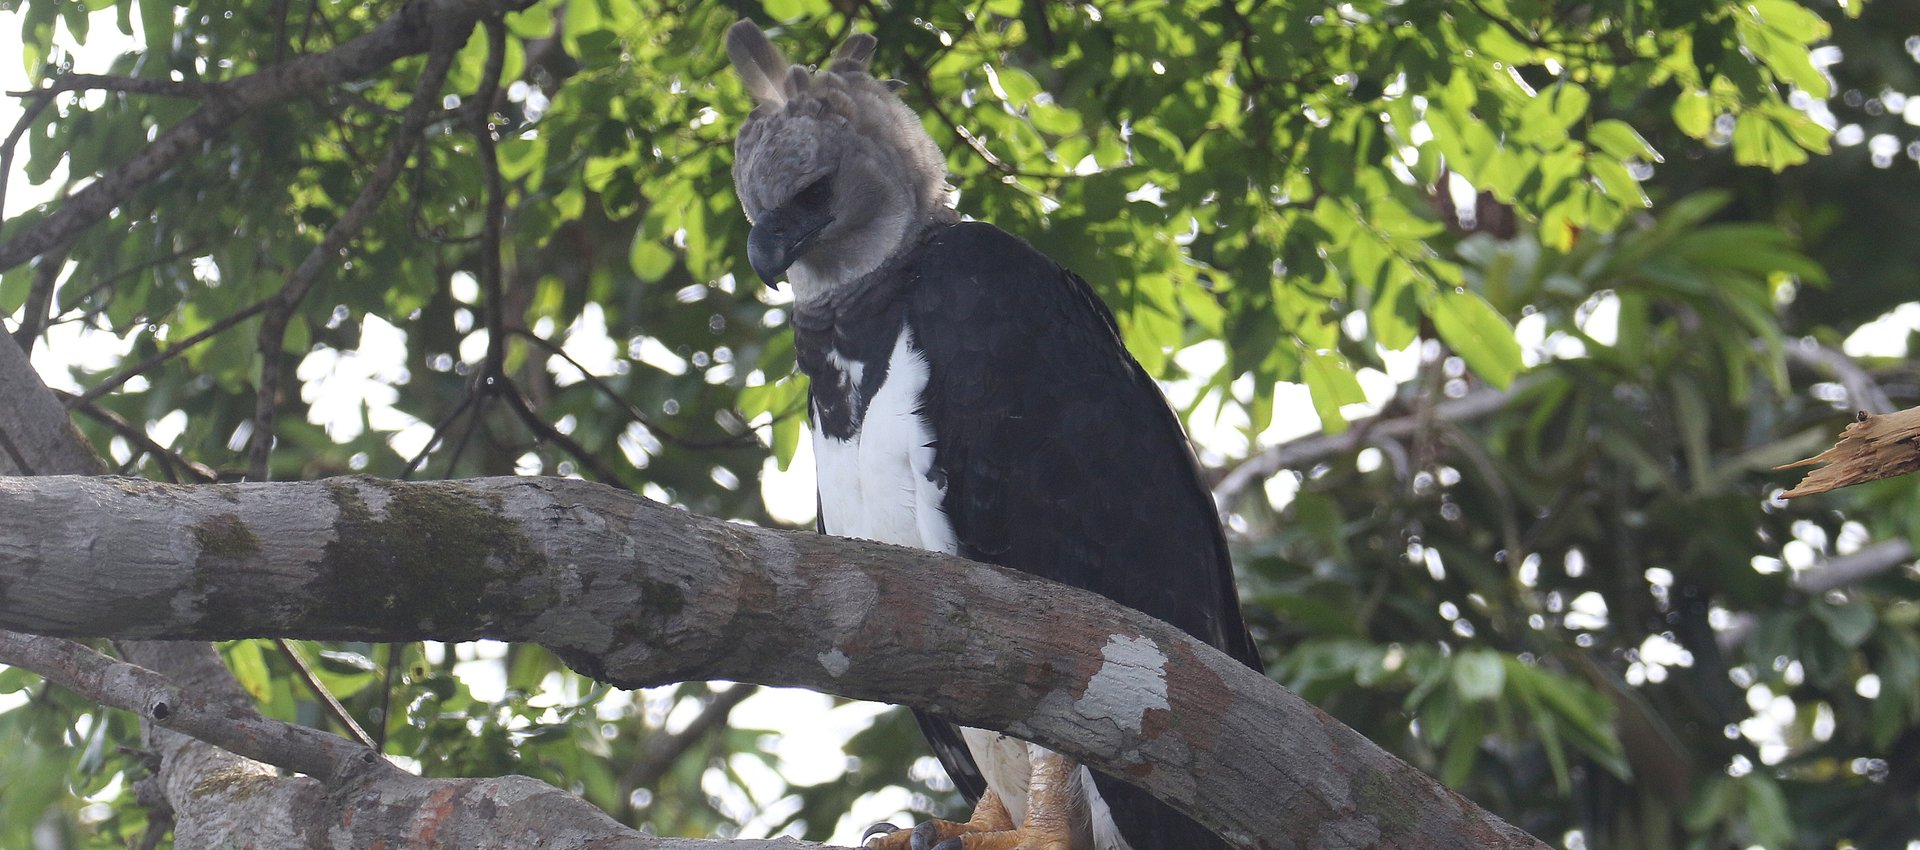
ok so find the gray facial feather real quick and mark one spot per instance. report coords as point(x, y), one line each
point(887, 175)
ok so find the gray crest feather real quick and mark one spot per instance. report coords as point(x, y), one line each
point(797, 82)
point(854, 55)
point(757, 61)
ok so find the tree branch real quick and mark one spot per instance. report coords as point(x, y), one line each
point(1312, 449)
point(408, 32)
point(1871, 448)
point(636, 593)
point(230, 802)
point(129, 85)
point(244, 731)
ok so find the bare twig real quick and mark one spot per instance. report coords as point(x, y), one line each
point(37, 309)
point(327, 700)
point(1844, 570)
point(494, 220)
point(546, 432)
point(170, 352)
point(1863, 392)
point(468, 399)
point(173, 461)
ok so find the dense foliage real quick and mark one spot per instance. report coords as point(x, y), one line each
point(1601, 257)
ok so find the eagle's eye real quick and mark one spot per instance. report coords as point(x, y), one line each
point(816, 195)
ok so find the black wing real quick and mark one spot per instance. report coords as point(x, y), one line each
point(1063, 459)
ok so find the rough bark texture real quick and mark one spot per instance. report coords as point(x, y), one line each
point(1872, 448)
point(641, 594)
point(234, 797)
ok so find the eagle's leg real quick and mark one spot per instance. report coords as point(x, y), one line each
point(1052, 805)
point(989, 815)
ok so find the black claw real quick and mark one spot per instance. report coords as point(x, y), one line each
point(953, 843)
point(882, 828)
point(926, 834)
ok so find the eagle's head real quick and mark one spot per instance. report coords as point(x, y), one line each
point(834, 171)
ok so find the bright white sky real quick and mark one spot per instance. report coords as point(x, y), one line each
point(812, 731)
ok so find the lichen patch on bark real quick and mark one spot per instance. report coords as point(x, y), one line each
point(1132, 680)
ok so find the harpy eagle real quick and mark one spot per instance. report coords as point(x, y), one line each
point(970, 396)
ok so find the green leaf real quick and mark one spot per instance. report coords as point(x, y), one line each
point(1479, 674)
point(649, 259)
point(1555, 111)
point(15, 678)
point(1849, 623)
point(1618, 139)
point(786, 440)
point(1478, 333)
point(1618, 182)
point(1766, 811)
point(1331, 384)
point(249, 667)
point(1693, 113)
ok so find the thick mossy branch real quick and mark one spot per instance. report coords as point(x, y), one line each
point(637, 593)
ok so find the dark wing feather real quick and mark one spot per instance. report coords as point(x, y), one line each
point(1063, 459)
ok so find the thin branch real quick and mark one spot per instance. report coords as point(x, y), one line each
point(13, 141)
point(665, 750)
point(138, 436)
point(281, 306)
point(467, 399)
point(408, 32)
point(328, 701)
point(39, 304)
point(1843, 570)
point(1863, 392)
point(1309, 450)
point(128, 85)
point(546, 432)
point(390, 680)
point(494, 220)
point(121, 685)
point(633, 411)
point(175, 350)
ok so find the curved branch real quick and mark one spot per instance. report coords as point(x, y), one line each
point(637, 593)
point(408, 32)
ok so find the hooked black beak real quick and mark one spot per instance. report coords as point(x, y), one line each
point(782, 236)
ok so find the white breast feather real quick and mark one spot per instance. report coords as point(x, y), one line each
point(875, 485)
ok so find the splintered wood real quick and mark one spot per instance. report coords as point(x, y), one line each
point(1872, 448)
